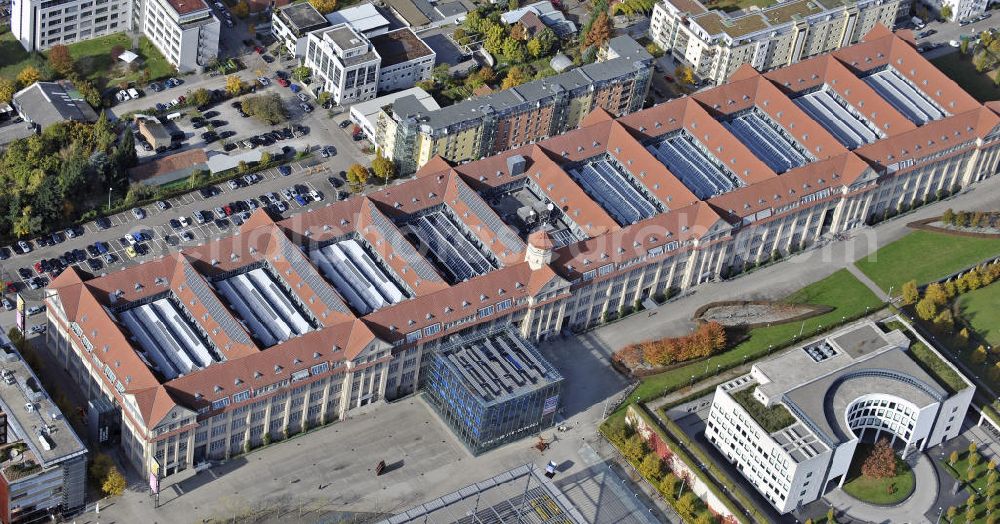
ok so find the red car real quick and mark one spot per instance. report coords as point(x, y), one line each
point(181, 99)
point(668, 78)
point(11, 287)
point(283, 82)
point(38, 267)
point(228, 210)
point(258, 49)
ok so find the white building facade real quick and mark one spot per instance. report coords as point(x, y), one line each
point(857, 385)
point(405, 60)
point(186, 32)
point(39, 24)
point(345, 62)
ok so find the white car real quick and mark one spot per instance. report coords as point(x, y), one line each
point(26, 247)
point(34, 310)
point(303, 97)
point(185, 221)
point(955, 43)
point(315, 195)
point(37, 328)
point(132, 92)
point(264, 81)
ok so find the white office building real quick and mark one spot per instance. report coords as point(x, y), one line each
point(345, 62)
point(405, 59)
point(185, 31)
point(856, 385)
point(39, 25)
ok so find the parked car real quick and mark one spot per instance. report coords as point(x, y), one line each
point(139, 213)
point(263, 81)
point(284, 170)
point(295, 88)
point(36, 329)
point(162, 205)
point(303, 97)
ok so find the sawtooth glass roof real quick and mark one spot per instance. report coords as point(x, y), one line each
point(353, 270)
point(267, 309)
point(445, 239)
point(904, 96)
point(612, 186)
point(698, 170)
point(768, 141)
point(838, 117)
point(168, 338)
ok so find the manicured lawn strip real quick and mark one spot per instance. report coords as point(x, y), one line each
point(959, 68)
point(93, 59)
point(937, 368)
point(774, 418)
point(735, 5)
point(981, 308)
point(925, 256)
point(876, 491)
point(845, 294)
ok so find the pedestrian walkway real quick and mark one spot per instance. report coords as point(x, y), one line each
point(913, 509)
point(882, 295)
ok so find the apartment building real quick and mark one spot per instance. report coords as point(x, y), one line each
point(43, 463)
point(485, 125)
point(715, 43)
point(406, 59)
point(345, 62)
point(325, 314)
point(38, 25)
point(960, 9)
point(856, 385)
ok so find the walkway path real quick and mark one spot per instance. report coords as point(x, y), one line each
point(882, 295)
point(912, 510)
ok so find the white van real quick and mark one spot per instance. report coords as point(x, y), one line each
point(175, 116)
point(133, 93)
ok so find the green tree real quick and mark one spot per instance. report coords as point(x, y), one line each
point(241, 9)
point(267, 108)
point(441, 73)
point(472, 21)
point(29, 75)
point(948, 217)
point(512, 5)
point(926, 309)
point(265, 158)
point(953, 458)
point(104, 133)
point(651, 467)
point(324, 6)
point(7, 90)
point(910, 293)
point(513, 51)
point(831, 517)
point(935, 292)
point(516, 76)
point(687, 505)
point(946, 12)
point(951, 512)
point(383, 168)
point(634, 448)
point(534, 47)
point(668, 485)
point(197, 179)
point(27, 223)
point(979, 356)
point(234, 85)
point(201, 96)
point(114, 484)
point(495, 38)
point(357, 177)
point(301, 73)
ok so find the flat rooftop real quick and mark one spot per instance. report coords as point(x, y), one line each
point(700, 171)
point(401, 45)
point(768, 141)
point(344, 36)
point(268, 309)
point(528, 209)
point(302, 16)
point(359, 275)
point(363, 18)
point(838, 117)
point(33, 415)
point(611, 185)
point(456, 251)
point(903, 95)
point(498, 365)
point(184, 7)
point(170, 341)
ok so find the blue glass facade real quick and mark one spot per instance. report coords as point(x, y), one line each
point(492, 389)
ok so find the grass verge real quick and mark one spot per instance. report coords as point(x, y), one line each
point(884, 492)
point(959, 68)
point(925, 256)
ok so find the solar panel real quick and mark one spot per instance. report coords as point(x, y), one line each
point(904, 96)
point(773, 147)
point(215, 309)
point(308, 274)
point(837, 117)
point(613, 188)
point(459, 255)
point(387, 230)
point(692, 166)
point(478, 207)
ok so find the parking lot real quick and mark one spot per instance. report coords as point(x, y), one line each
point(309, 175)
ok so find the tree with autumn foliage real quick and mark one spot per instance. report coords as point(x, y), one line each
point(881, 462)
point(600, 30)
point(60, 61)
point(708, 339)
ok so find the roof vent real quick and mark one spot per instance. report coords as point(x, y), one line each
point(257, 374)
point(238, 381)
point(277, 369)
point(217, 388)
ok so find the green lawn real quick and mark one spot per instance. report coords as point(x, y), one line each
point(959, 68)
point(981, 308)
point(774, 418)
point(925, 256)
point(736, 5)
point(93, 60)
point(13, 57)
point(978, 485)
point(841, 291)
point(876, 491)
